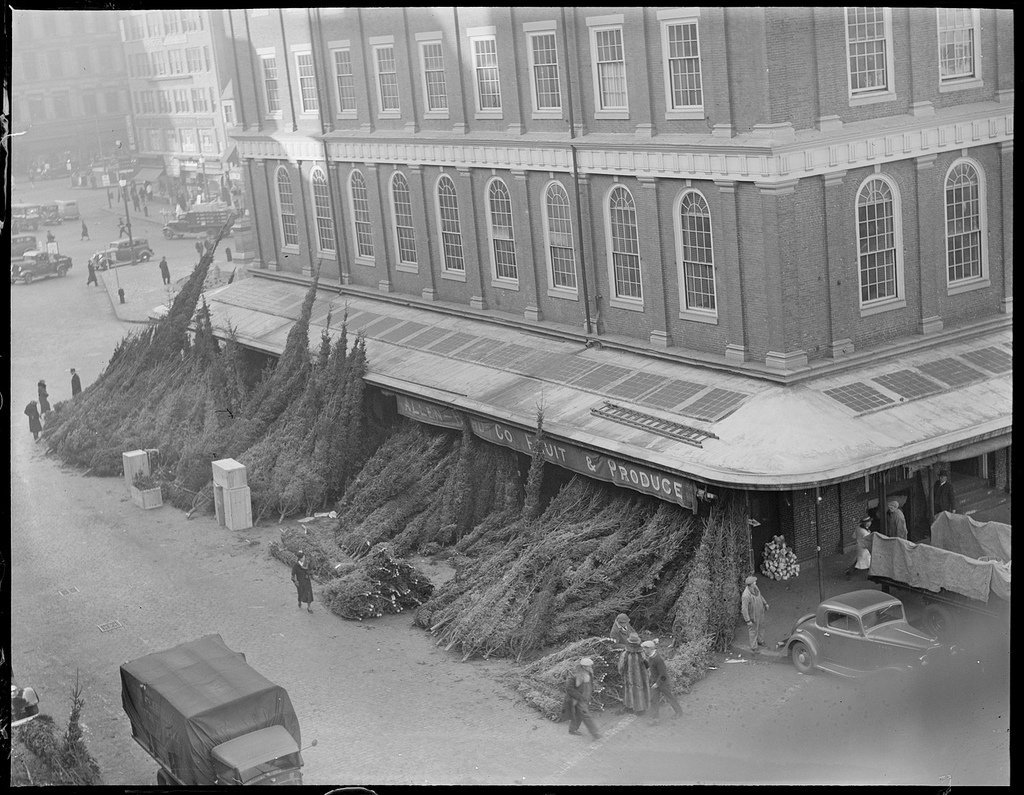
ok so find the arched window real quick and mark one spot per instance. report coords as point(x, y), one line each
point(624, 245)
point(322, 207)
point(965, 244)
point(558, 228)
point(401, 206)
point(696, 261)
point(451, 231)
point(361, 216)
point(503, 244)
point(878, 246)
point(286, 206)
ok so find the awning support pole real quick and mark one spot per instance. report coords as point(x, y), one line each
point(817, 536)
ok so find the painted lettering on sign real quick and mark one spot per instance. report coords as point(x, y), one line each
point(429, 413)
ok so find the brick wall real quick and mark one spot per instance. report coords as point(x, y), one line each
point(792, 79)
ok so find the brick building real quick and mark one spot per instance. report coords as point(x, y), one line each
point(68, 99)
point(756, 249)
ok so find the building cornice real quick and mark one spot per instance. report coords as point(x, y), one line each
point(740, 159)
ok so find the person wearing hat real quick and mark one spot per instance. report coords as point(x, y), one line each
point(44, 402)
point(76, 383)
point(579, 688)
point(945, 496)
point(300, 576)
point(636, 686)
point(897, 521)
point(862, 560)
point(621, 629)
point(34, 426)
point(661, 684)
point(753, 606)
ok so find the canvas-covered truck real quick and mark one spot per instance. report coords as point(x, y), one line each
point(962, 576)
point(207, 717)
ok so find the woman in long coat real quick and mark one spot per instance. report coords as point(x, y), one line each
point(44, 402)
point(636, 686)
point(300, 576)
point(34, 425)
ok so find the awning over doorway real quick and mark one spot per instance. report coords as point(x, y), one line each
point(148, 174)
point(715, 427)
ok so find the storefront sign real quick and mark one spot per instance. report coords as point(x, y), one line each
point(681, 491)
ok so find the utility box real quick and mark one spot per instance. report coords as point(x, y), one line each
point(134, 462)
point(232, 498)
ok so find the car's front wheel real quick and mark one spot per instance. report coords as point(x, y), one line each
point(27, 278)
point(62, 271)
point(144, 256)
point(803, 657)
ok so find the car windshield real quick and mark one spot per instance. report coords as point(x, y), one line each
point(883, 615)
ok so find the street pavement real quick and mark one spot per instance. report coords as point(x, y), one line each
point(96, 581)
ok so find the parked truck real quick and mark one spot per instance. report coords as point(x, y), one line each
point(961, 576)
point(207, 717)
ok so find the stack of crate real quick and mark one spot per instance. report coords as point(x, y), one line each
point(232, 498)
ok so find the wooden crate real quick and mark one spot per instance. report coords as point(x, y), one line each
point(229, 474)
point(147, 498)
point(134, 462)
point(238, 508)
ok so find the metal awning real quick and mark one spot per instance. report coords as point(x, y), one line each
point(743, 431)
point(148, 174)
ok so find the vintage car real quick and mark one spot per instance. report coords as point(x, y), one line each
point(24, 705)
point(119, 252)
point(22, 243)
point(25, 217)
point(38, 265)
point(857, 633)
point(199, 222)
point(49, 213)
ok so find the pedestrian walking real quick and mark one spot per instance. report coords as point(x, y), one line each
point(34, 425)
point(165, 271)
point(122, 230)
point(300, 576)
point(49, 236)
point(862, 559)
point(944, 494)
point(661, 684)
point(896, 520)
point(44, 398)
point(579, 688)
point(85, 231)
point(110, 199)
point(753, 607)
point(92, 275)
point(636, 687)
point(135, 201)
point(199, 248)
point(621, 629)
point(76, 383)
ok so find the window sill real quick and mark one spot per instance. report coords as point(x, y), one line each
point(309, 114)
point(332, 255)
point(488, 114)
point(632, 304)
point(366, 262)
point(455, 276)
point(436, 114)
point(858, 100)
point(676, 114)
point(611, 114)
point(505, 284)
point(553, 113)
point(564, 294)
point(407, 267)
point(389, 114)
point(884, 306)
point(699, 317)
point(961, 84)
point(288, 248)
point(966, 286)
point(276, 116)
point(346, 114)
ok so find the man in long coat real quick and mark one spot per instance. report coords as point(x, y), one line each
point(661, 683)
point(36, 427)
point(636, 686)
point(579, 688)
point(896, 520)
point(945, 496)
point(753, 607)
point(76, 383)
point(300, 576)
point(44, 398)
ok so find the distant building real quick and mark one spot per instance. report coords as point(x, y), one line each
point(788, 229)
point(68, 95)
point(179, 72)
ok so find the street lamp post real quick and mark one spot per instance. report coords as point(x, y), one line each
point(127, 216)
point(202, 165)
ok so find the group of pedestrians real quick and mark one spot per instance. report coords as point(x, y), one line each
point(36, 410)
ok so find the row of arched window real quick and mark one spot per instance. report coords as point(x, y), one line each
point(878, 227)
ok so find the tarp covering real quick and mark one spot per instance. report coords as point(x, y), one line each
point(959, 533)
point(184, 701)
point(934, 569)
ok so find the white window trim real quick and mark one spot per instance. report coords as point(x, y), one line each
point(446, 273)
point(962, 83)
point(400, 264)
point(595, 28)
point(333, 47)
point(297, 52)
point(532, 29)
point(685, 312)
point(379, 45)
point(358, 258)
point(326, 253)
point(423, 40)
point(496, 280)
point(620, 302)
point(974, 282)
point(898, 301)
point(554, 291)
point(262, 54)
point(873, 97)
point(481, 34)
point(292, 248)
point(676, 18)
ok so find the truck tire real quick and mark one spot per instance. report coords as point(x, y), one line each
point(168, 234)
point(62, 271)
point(27, 278)
point(803, 657)
point(940, 621)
